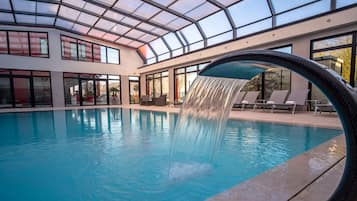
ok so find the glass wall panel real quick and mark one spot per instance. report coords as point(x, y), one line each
point(114, 88)
point(99, 54)
point(338, 60)
point(212, 28)
point(101, 92)
point(242, 11)
point(113, 56)
point(165, 86)
point(190, 78)
point(276, 79)
point(180, 90)
point(5, 92)
point(3, 42)
point(85, 51)
point(134, 92)
point(39, 44)
point(87, 92)
point(42, 91)
point(150, 87)
point(22, 92)
point(332, 42)
point(71, 91)
point(69, 48)
point(19, 44)
point(157, 87)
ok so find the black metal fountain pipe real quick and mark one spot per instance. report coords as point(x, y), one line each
point(247, 64)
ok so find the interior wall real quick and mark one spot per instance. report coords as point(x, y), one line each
point(129, 59)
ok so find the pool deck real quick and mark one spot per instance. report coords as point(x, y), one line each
point(310, 176)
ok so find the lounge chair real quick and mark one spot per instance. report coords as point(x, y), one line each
point(239, 99)
point(248, 100)
point(146, 100)
point(277, 97)
point(297, 98)
point(159, 101)
point(324, 107)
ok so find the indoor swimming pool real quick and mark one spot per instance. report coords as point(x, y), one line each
point(122, 154)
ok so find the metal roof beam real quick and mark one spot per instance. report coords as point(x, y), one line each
point(273, 13)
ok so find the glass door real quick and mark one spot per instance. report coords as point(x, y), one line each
point(134, 91)
point(5, 92)
point(22, 90)
point(87, 89)
point(101, 95)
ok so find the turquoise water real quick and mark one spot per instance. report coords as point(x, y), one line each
point(114, 154)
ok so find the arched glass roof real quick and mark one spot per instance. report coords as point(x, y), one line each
point(162, 29)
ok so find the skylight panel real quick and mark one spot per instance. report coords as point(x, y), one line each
point(163, 18)
point(159, 31)
point(96, 33)
point(6, 17)
point(5, 4)
point(159, 46)
point(131, 21)
point(280, 6)
point(87, 19)
point(124, 41)
point(64, 23)
point(28, 19)
point(147, 37)
point(146, 26)
point(184, 6)
point(164, 2)
point(69, 13)
point(120, 29)
point(135, 44)
point(107, 2)
point(192, 34)
point(215, 24)
point(178, 23)
point(135, 33)
point(45, 20)
point(28, 6)
point(114, 15)
point(227, 2)
point(248, 11)
point(77, 3)
point(47, 8)
point(172, 41)
point(303, 12)
point(202, 11)
point(256, 27)
point(146, 52)
point(343, 3)
point(220, 38)
point(105, 24)
point(93, 8)
point(128, 5)
point(110, 37)
point(146, 11)
point(80, 28)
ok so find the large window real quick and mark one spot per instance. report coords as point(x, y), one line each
point(91, 89)
point(273, 79)
point(22, 43)
point(337, 53)
point(75, 49)
point(134, 90)
point(22, 88)
point(184, 78)
point(157, 84)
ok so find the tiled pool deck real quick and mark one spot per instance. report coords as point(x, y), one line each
point(308, 177)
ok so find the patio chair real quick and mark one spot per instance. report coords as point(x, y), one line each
point(248, 100)
point(159, 101)
point(277, 97)
point(146, 100)
point(297, 98)
point(324, 107)
point(239, 99)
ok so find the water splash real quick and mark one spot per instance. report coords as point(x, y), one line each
point(203, 116)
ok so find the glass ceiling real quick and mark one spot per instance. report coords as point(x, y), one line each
point(162, 29)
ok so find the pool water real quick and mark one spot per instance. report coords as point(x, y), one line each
point(119, 154)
